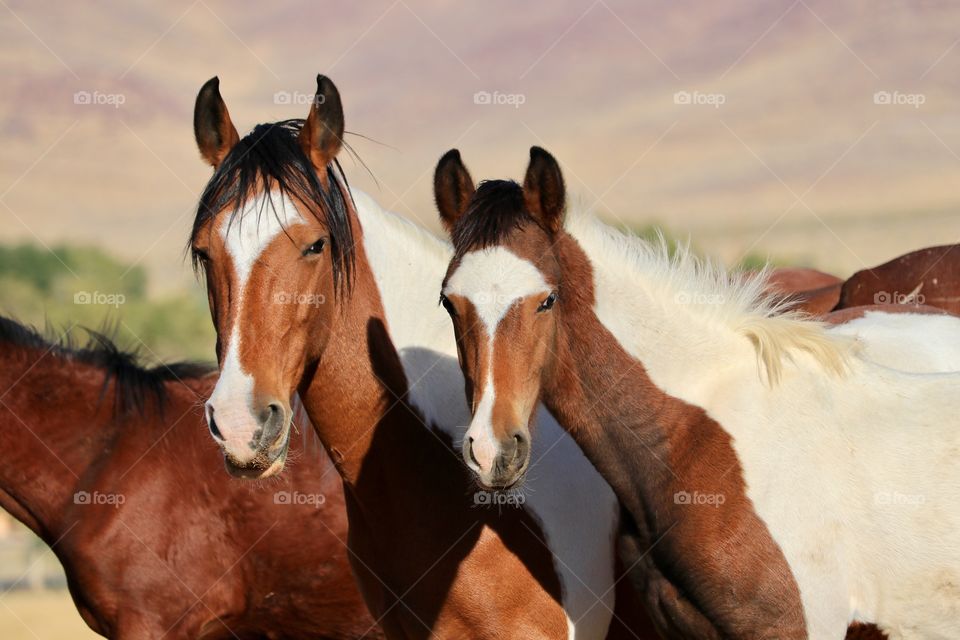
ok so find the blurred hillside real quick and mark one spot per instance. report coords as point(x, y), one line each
point(73, 287)
point(790, 152)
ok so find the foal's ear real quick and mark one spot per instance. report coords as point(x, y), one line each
point(322, 133)
point(452, 188)
point(544, 191)
point(212, 126)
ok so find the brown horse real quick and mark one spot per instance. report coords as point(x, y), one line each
point(809, 290)
point(726, 429)
point(923, 277)
point(317, 291)
point(109, 463)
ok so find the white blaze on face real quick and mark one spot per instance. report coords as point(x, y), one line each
point(492, 280)
point(245, 239)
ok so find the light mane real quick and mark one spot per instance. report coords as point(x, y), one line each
point(679, 280)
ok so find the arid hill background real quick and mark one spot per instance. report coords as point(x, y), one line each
point(798, 160)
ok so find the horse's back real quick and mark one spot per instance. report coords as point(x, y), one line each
point(929, 276)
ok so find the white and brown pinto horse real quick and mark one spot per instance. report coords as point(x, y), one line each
point(317, 291)
point(777, 481)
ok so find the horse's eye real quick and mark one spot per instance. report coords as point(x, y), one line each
point(548, 303)
point(315, 248)
point(202, 256)
point(445, 301)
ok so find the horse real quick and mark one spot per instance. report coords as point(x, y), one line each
point(808, 290)
point(316, 291)
point(109, 463)
point(926, 276)
point(775, 481)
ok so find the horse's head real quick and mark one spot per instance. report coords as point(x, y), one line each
point(502, 290)
point(273, 238)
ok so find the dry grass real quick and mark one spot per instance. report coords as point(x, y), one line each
point(41, 615)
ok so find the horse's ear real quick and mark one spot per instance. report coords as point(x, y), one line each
point(322, 133)
point(544, 191)
point(452, 188)
point(212, 126)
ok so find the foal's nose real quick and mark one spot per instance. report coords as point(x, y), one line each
point(505, 464)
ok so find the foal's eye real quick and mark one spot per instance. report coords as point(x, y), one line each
point(315, 248)
point(445, 301)
point(548, 303)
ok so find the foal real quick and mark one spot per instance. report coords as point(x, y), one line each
point(775, 482)
point(109, 464)
point(317, 291)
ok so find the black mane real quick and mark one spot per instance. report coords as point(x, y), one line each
point(135, 383)
point(496, 209)
point(271, 155)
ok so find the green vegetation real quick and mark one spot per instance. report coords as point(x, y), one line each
point(85, 287)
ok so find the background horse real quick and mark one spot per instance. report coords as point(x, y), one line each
point(809, 290)
point(317, 290)
point(732, 433)
point(109, 463)
point(926, 276)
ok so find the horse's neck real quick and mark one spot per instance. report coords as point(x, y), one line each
point(49, 443)
point(359, 398)
point(606, 398)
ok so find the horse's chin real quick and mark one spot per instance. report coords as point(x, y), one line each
point(256, 470)
point(503, 486)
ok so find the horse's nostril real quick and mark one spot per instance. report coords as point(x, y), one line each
point(213, 426)
point(473, 458)
point(270, 413)
point(521, 446)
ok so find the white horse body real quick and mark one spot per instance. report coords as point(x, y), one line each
point(577, 510)
point(852, 463)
